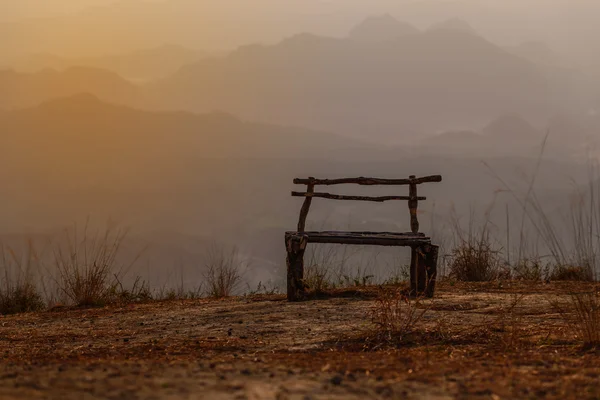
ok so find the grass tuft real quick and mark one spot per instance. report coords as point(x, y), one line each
point(395, 316)
point(474, 261)
point(223, 271)
point(89, 274)
point(18, 292)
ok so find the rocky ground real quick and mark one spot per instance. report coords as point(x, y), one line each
point(488, 341)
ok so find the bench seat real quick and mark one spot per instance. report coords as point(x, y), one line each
point(362, 238)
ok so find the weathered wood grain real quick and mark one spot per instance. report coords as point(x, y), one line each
point(379, 199)
point(413, 205)
point(305, 208)
point(361, 238)
point(368, 181)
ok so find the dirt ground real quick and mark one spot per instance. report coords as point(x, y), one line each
point(487, 341)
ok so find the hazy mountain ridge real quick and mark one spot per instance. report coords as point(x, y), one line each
point(413, 83)
point(19, 90)
point(124, 26)
point(381, 28)
point(386, 90)
point(455, 24)
point(561, 137)
point(140, 65)
point(390, 88)
point(123, 129)
point(215, 175)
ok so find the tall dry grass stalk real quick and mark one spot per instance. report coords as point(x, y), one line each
point(395, 316)
point(223, 270)
point(582, 316)
point(474, 257)
point(573, 243)
point(89, 271)
point(18, 290)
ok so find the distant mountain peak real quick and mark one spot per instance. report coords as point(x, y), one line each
point(381, 28)
point(511, 126)
point(304, 38)
point(454, 24)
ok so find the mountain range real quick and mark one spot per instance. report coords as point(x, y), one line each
point(215, 175)
point(390, 88)
point(385, 81)
point(138, 66)
point(20, 90)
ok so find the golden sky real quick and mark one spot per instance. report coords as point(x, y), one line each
point(565, 25)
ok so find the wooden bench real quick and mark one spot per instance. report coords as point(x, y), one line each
point(423, 253)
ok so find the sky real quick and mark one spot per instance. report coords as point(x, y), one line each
point(18, 9)
point(565, 25)
point(11, 10)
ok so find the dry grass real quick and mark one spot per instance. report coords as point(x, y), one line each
point(510, 324)
point(530, 269)
point(20, 297)
point(228, 348)
point(587, 314)
point(18, 291)
point(474, 261)
point(223, 271)
point(88, 272)
point(571, 273)
point(395, 316)
point(582, 316)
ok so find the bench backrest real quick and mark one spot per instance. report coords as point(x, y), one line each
point(413, 199)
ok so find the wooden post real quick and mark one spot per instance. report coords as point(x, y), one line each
point(414, 259)
point(295, 246)
point(418, 272)
point(423, 270)
point(431, 259)
point(305, 208)
point(413, 205)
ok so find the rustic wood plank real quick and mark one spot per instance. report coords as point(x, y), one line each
point(379, 199)
point(413, 205)
point(368, 181)
point(362, 238)
point(305, 208)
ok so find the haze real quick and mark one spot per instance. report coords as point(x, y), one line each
point(189, 119)
point(566, 26)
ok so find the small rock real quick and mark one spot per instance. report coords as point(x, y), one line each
point(337, 380)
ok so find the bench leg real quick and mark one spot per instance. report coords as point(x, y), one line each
point(431, 260)
point(417, 273)
point(295, 268)
point(423, 270)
